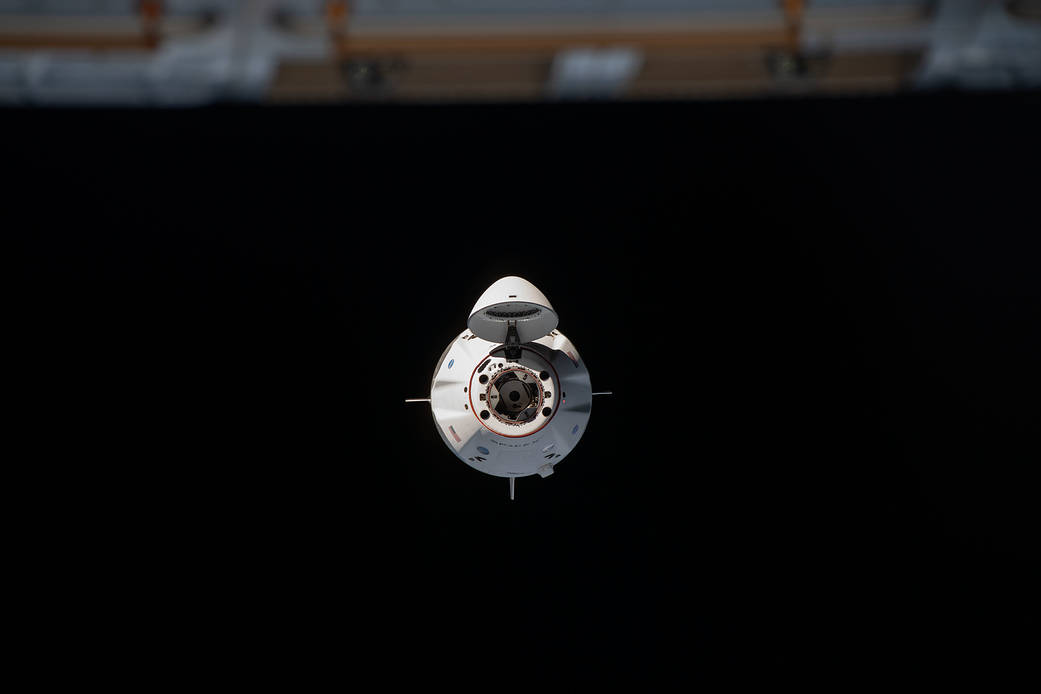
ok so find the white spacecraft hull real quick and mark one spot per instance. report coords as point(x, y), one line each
point(511, 396)
point(496, 447)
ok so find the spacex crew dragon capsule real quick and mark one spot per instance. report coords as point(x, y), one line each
point(511, 395)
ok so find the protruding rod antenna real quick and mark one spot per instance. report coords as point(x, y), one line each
point(604, 392)
point(511, 488)
point(417, 399)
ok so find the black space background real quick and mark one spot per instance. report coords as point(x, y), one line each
point(820, 320)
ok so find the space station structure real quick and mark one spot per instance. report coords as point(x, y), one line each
point(510, 395)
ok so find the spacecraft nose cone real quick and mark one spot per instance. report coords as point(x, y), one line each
point(512, 300)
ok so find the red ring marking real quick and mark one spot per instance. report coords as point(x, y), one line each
point(481, 421)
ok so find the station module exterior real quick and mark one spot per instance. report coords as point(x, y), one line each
point(511, 396)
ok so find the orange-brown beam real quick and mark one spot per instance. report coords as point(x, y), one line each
point(793, 15)
point(100, 42)
point(358, 46)
point(149, 12)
